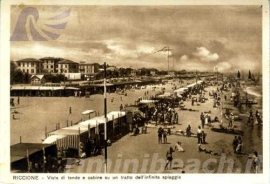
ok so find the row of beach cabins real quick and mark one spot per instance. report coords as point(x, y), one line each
point(70, 140)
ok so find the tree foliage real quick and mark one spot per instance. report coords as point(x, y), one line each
point(16, 75)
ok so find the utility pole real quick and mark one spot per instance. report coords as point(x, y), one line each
point(168, 60)
point(217, 75)
point(105, 116)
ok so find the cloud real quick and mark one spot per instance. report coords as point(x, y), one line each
point(223, 66)
point(184, 58)
point(204, 54)
point(128, 35)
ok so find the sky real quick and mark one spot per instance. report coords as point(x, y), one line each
point(199, 37)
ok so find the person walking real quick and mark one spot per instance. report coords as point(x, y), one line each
point(235, 143)
point(199, 135)
point(70, 110)
point(160, 132)
point(202, 119)
point(18, 100)
point(203, 137)
point(188, 131)
point(239, 146)
point(169, 158)
point(164, 137)
point(256, 162)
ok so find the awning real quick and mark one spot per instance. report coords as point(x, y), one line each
point(147, 101)
point(101, 120)
point(180, 96)
point(88, 112)
point(59, 88)
point(31, 88)
point(167, 94)
point(191, 85)
point(69, 131)
point(93, 122)
point(72, 88)
point(49, 88)
point(53, 138)
point(77, 127)
point(115, 114)
point(181, 90)
point(17, 87)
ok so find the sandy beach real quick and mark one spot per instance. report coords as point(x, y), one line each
point(36, 112)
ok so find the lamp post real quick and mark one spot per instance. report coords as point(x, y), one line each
point(105, 116)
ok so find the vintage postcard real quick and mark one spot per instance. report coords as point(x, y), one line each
point(131, 91)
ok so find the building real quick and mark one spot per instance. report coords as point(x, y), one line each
point(153, 72)
point(37, 80)
point(30, 65)
point(50, 64)
point(88, 68)
point(133, 73)
point(67, 66)
point(171, 73)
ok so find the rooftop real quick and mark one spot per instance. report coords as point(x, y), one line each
point(45, 58)
point(66, 61)
point(30, 60)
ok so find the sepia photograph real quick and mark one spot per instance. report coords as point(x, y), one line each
point(145, 89)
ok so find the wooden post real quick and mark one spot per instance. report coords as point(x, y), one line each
point(88, 130)
point(67, 123)
point(44, 159)
point(28, 161)
point(45, 132)
point(20, 139)
point(56, 126)
point(79, 140)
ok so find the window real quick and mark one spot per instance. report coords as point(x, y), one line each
point(66, 66)
point(32, 71)
point(27, 70)
point(19, 64)
point(32, 64)
point(23, 64)
point(23, 70)
point(51, 66)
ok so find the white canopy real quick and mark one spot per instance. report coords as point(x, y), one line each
point(88, 112)
point(147, 101)
point(101, 120)
point(115, 114)
point(167, 94)
point(180, 90)
point(77, 127)
point(191, 85)
point(51, 139)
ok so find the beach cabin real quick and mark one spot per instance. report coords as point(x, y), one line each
point(37, 80)
point(24, 156)
point(70, 140)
